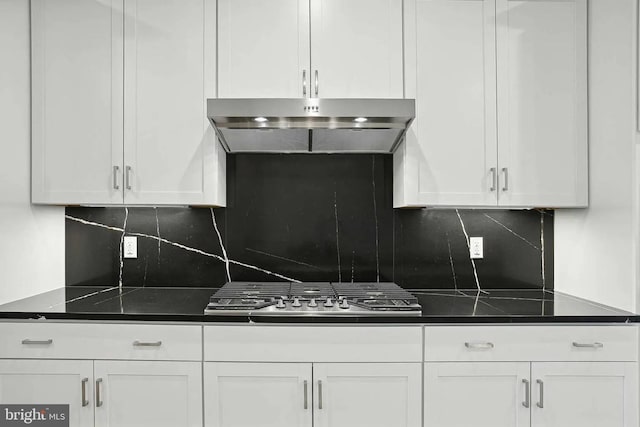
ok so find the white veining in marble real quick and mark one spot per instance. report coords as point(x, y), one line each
point(186, 248)
point(453, 269)
point(282, 258)
point(511, 231)
point(335, 210)
point(124, 231)
point(473, 263)
point(222, 247)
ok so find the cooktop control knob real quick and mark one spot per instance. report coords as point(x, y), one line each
point(344, 303)
point(313, 303)
point(280, 303)
point(328, 303)
point(296, 302)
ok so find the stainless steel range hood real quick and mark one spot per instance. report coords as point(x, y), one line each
point(316, 125)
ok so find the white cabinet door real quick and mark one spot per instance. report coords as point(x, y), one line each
point(584, 394)
point(542, 102)
point(263, 48)
point(76, 101)
point(479, 394)
point(356, 48)
point(170, 151)
point(367, 394)
point(450, 70)
point(148, 394)
point(258, 394)
point(50, 382)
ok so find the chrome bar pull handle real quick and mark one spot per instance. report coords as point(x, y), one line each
point(37, 342)
point(540, 403)
point(527, 394)
point(316, 83)
point(137, 343)
point(505, 172)
point(319, 394)
point(479, 345)
point(594, 345)
point(494, 179)
point(85, 402)
point(98, 398)
point(127, 177)
point(116, 172)
point(304, 82)
point(306, 398)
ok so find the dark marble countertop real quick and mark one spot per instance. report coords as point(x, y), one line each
point(187, 305)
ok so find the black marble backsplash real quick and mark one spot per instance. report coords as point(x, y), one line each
point(310, 218)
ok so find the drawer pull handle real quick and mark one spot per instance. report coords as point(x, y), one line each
point(98, 398)
point(37, 342)
point(85, 402)
point(137, 343)
point(319, 394)
point(479, 345)
point(595, 345)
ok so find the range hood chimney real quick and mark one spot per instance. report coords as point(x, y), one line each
point(316, 125)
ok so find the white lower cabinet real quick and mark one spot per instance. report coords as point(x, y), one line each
point(50, 382)
point(319, 394)
point(278, 394)
point(539, 394)
point(367, 394)
point(153, 394)
point(476, 394)
point(584, 394)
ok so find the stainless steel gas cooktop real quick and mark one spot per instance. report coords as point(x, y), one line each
point(313, 299)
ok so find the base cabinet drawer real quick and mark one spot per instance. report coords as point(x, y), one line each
point(100, 341)
point(531, 343)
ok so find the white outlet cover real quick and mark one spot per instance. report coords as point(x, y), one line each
point(130, 249)
point(476, 249)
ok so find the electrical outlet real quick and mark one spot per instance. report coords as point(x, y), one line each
point(130, 247)
point(476, 249)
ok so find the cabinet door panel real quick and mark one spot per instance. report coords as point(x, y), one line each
point(542, 102)
point(258, 394)
point(49, 382)
point(263, 48)
point(454, 135)
point(76, 101)
point(585, 394)
point(153, 394)
point(476, 394)
point(367, 394)
point(356, 47)
point(169, 72)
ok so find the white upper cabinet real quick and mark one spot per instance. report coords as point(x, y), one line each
point(501, 111)
point(451, 64)
point(76, 101)
point(170, 150)
point(263, 48)
point(542, 102)
point(310, 48)
point(123, 119)
point(356, 48)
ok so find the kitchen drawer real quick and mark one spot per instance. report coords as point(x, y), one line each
point(256, 343)
point(531, 343)
point(100, 341)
